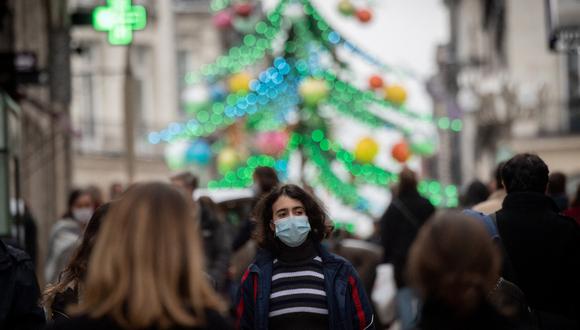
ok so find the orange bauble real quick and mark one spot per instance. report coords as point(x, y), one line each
point(376, 82)
point(401, 152)
point(364, 15)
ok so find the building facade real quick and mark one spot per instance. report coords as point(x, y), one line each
point(36, 171)
point(142, 82)
point(514, 94)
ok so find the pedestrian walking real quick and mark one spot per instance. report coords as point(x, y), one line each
point(265, 179)
point(494, 201)
point(66, 232)
point(542, 248)
point(454, 266)
point(557, 190)
point(59, 296)
point(294, 283)
point(216, 240)
point(146, 269)
point(400, 224)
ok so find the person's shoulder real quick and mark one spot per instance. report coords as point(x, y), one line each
point(19, 256)
point(334, 259)
point(66, 225)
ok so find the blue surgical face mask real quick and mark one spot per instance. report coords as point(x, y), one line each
point(293, 230)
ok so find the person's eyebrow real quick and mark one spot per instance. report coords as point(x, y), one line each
point(280, 210)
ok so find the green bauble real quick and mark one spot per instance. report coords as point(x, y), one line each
point(346, 8)
point(423, 148)
point(313, 91)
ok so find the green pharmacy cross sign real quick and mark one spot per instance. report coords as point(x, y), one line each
point(119, 18)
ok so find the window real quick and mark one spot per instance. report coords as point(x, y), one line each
point(83, 89)
point(142, 91)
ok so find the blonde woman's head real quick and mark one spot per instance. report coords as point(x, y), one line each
point(147, 264)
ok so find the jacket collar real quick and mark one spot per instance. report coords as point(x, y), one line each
point(531, 200)
point(264, 257)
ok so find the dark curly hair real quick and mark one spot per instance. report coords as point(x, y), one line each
point(525, 173)
point(320, 224)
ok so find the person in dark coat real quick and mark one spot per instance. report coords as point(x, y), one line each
point(216, 240)
point(542, 247)
point(265, 179)
point(401, 222)
point(455, 266)
point(399, 226)
point(19, 291)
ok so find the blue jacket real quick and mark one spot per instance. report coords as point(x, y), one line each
point(348, 304)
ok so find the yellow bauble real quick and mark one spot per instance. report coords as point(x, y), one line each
point(313, 91)
point(240, 82)
point(396, 94)
point(227, 160)
point(366, 150)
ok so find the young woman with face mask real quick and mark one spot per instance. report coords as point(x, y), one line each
point(294, 283)
point(66, 232)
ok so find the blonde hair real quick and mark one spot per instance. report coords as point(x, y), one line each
point(453, 260)
point(147, 265)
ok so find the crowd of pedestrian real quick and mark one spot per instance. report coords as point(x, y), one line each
point(161, 257)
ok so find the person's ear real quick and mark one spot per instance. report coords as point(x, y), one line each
point(272, 226)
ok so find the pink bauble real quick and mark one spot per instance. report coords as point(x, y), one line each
point(272, 143)
point(222, 20)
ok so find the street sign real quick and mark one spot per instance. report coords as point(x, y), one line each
point(119, 18)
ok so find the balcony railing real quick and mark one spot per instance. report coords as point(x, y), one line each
point(108, 140)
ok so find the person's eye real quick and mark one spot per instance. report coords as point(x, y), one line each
point(299, 212)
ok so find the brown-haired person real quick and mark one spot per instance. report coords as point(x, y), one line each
point(294, 283)
point(146, 270)
point(68, 289)
point(454, 266)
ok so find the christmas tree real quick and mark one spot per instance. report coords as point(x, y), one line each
point(275, 98)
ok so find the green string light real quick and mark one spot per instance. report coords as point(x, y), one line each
point(217, 5)
point(253, 49)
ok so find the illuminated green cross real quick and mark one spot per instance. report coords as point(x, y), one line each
point(119, 18)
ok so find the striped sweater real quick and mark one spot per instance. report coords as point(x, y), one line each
point(297, 296)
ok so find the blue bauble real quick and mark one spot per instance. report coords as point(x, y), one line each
point(199, 152)
point(218, 93)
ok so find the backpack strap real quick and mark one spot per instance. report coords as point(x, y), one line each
point(398, 204)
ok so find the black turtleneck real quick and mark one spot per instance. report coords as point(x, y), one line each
point(303, 252)
point(298, 297)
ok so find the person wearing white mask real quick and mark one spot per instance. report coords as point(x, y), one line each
point(294, 283)
point(66, 232)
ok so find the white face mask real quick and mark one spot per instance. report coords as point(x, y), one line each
point(82, 214)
